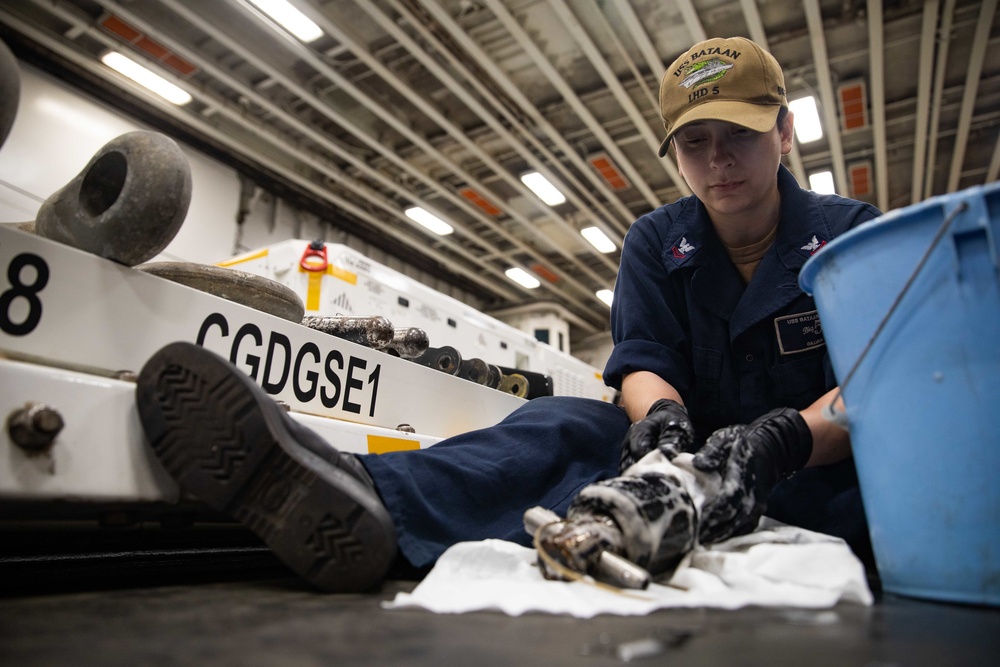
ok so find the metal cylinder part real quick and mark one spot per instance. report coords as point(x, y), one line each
point(375, 332)
point(408, 343)
point(128, 202)
point(514, 384)
point(611, 568)
point(621, 572)
point(536, 517)
point(493, 381)
point(474, 370)
point(445, 359)
point(539, 384)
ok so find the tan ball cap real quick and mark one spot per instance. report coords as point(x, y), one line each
point(729, 79)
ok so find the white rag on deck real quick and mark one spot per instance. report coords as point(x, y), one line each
point(775, 566)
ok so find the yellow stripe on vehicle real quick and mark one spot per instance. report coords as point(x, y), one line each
point(343, 274)
point(380, 444)
point(313, 288)
point(239, 259)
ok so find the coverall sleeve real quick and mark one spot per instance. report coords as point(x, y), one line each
point(647, 311)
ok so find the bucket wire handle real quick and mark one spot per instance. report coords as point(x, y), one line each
point(830, 411)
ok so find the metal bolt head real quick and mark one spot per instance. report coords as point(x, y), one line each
point(34, 427)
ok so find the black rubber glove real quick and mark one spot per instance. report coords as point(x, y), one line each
point(666, 427)
point(751, 461)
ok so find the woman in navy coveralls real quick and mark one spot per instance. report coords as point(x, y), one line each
point(710, 329)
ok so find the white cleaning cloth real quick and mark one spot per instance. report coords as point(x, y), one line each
point(775, 566)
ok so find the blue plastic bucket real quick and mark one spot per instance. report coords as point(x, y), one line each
point(923, 404)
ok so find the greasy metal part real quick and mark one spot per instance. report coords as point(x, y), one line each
point(406, 428)
point(493, 381)
point(10, 90)
point(374, 332)
point(539, 384)
point(611, 568)
point(621, 572)
point(445, 359)
point(240, 287)
point(515, 384)
point(34, 427)
point(408, 343)
point(536, 517)
point(128, 202)
point(474, 370)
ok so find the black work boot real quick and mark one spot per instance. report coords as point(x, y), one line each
point(227, 443)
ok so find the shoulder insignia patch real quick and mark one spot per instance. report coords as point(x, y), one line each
point(814, 245)
point(682, 251)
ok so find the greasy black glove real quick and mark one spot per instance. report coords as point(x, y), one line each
point(666, 427)
point(751, 461)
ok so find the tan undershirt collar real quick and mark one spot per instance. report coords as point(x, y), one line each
point(747, 258)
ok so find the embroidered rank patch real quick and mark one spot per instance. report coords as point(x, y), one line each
point(811, 248)
point(799, 333)
point(682, 251)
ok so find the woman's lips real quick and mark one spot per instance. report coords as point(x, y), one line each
point(729, 186)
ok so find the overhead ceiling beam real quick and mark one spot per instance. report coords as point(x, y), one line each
point(598, 61)
point(640, 38)
point(944, 41)
point(528, 109)
point(928, 32)
point(517, 144)
point(993, 172)
point(876, 64)
point(461, 136)
point(572, 99)
point(828, 103)
point(594, 10)
point(691, 20)
point(752, 16)
point(415, 98)
point(979, 43)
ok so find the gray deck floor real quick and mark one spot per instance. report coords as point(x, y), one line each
point(280, 622)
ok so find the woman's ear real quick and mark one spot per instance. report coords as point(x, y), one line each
point(787, 133)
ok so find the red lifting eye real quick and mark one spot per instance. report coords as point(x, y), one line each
point(314, 258)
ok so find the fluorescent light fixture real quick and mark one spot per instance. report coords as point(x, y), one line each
point(606, 295)
point(289, 18)
point(598, 239)
point(428, 220)
point(807, 125)
point(541, 186)
point(146, 78)
point(522, 278)
point(822, 182)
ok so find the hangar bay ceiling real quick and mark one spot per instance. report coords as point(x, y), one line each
point(444, 104)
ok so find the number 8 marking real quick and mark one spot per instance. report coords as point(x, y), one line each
point(27, 292)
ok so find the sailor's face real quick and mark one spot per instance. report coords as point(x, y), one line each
point(730, 168)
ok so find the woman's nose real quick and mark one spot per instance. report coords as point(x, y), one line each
point(721, 154)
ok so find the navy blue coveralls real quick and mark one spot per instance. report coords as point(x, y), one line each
point(681, 310)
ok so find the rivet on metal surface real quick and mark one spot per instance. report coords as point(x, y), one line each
point(34, 427)
point(406, 428)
